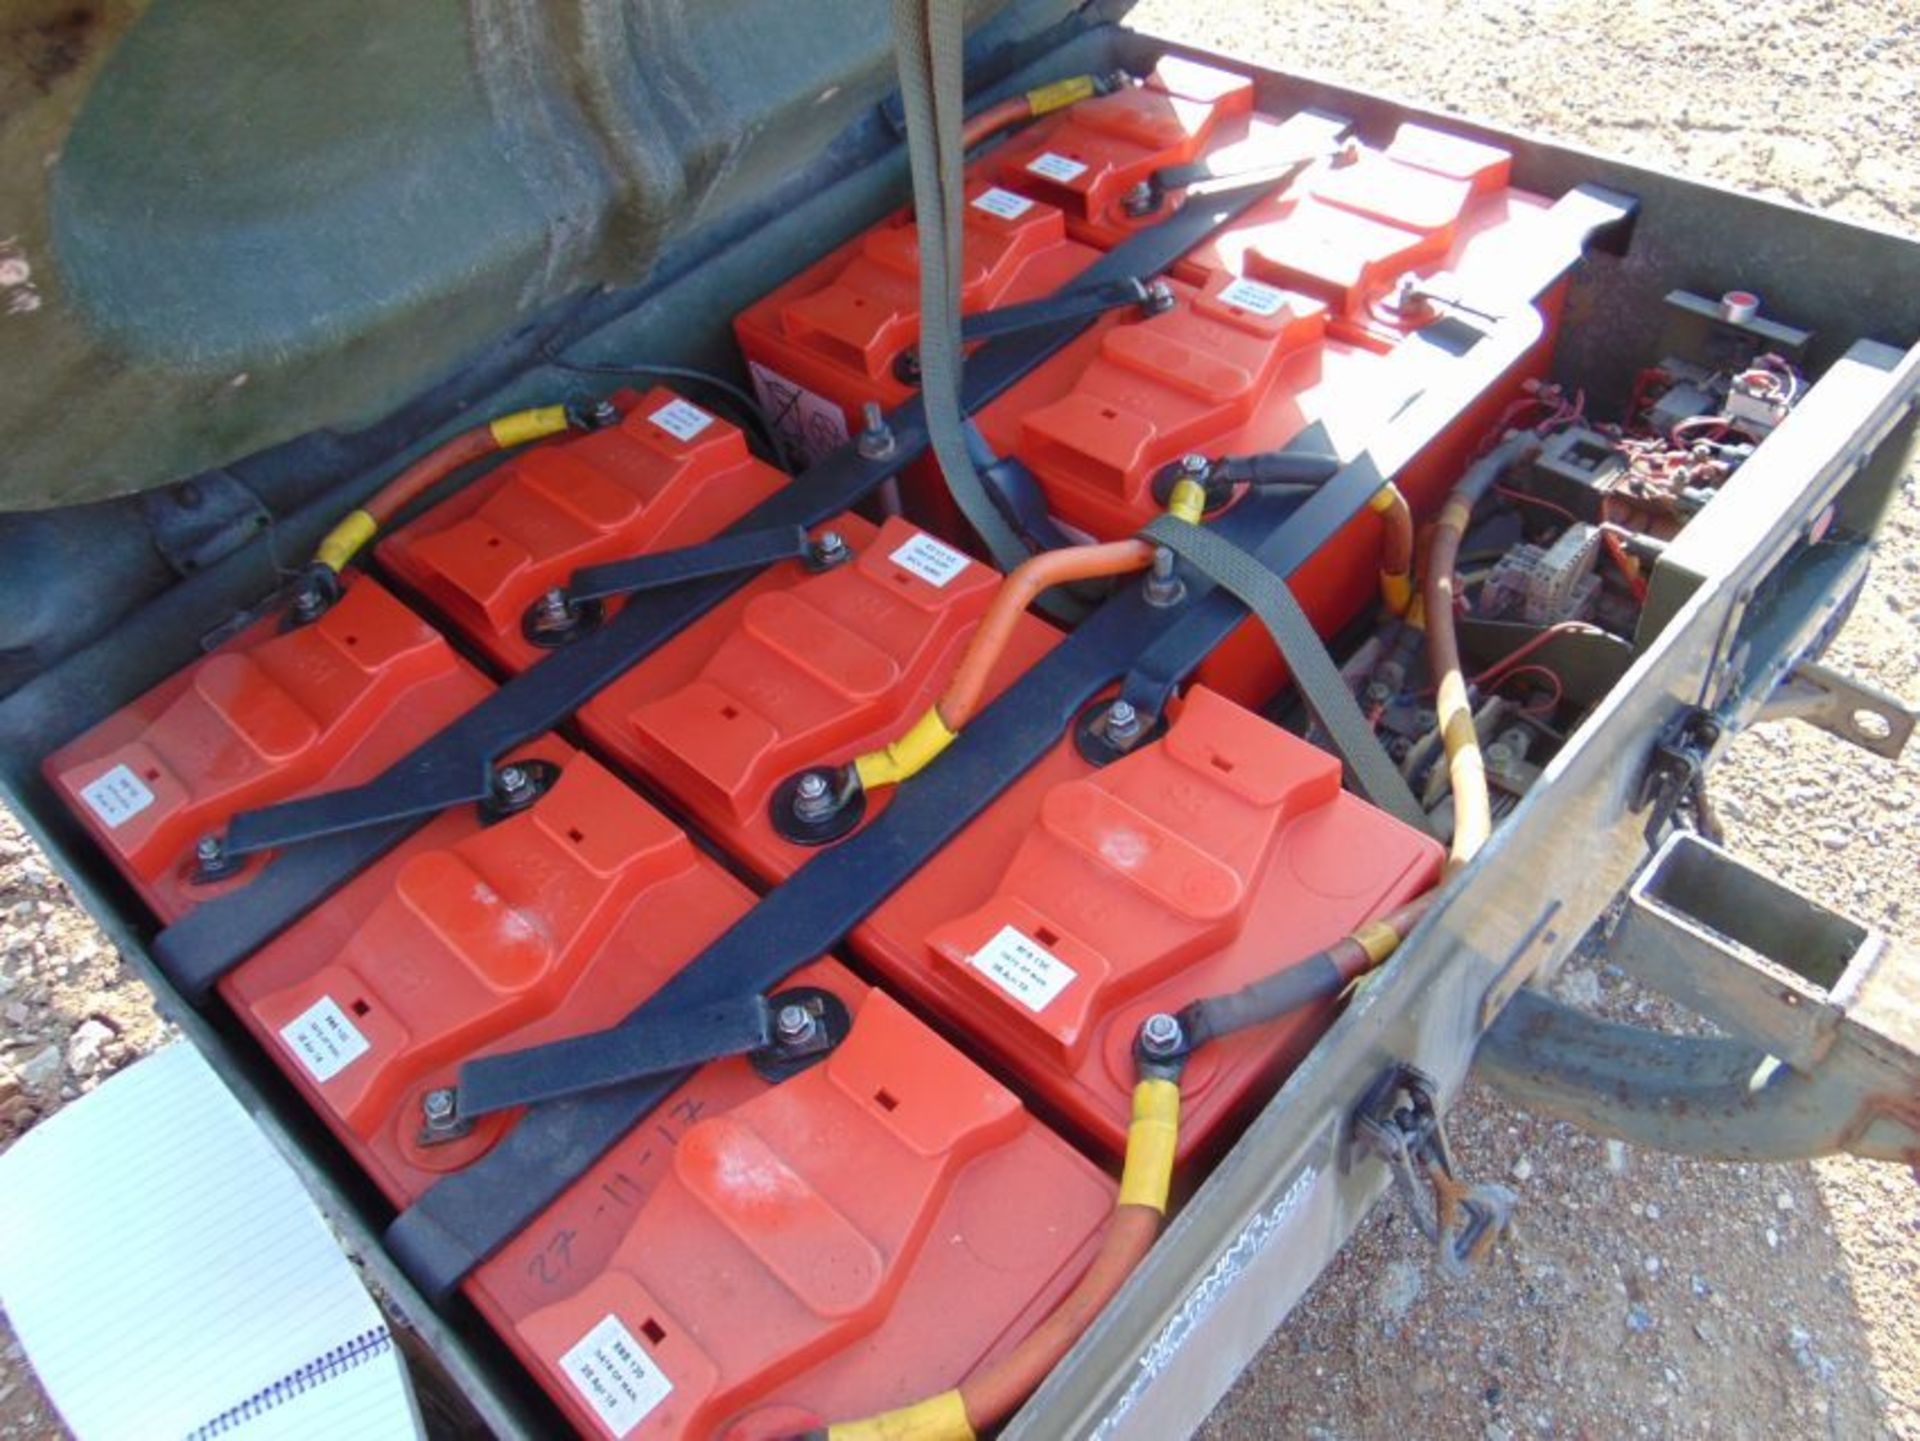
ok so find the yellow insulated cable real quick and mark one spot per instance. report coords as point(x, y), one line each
point(938, 1418)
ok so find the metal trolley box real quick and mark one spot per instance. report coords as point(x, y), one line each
point(1740, 607)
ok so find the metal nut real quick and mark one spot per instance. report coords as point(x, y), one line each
point(793, 1024)
point(813, 797)
point(1161, 1034)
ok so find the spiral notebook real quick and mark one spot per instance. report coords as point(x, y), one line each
point(168, 1277)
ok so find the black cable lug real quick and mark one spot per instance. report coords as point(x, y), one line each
point(819, 805)
point(515, 785)
point(315, 591)
point(1203, 471)
point(556, 619)
point(590, 415)
point(1107, 730)
point(1161, 1047)
point(804, 1024)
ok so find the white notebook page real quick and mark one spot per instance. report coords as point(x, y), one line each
point(161, 1265)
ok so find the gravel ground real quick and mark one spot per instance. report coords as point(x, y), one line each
point(1643, 1295)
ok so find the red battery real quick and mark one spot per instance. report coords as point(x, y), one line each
point(798, 670)
point(1429, 204)
point(843, 331)
point(752, 1258)
point(668, 474)
point(1084, 900)
point(1090, 159)
point(273, 714)
point(1233, 366)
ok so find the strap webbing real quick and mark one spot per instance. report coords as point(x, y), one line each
point(928, 41)
point(1315, 675)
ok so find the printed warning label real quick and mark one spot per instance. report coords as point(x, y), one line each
point(118, 796)
point(933, 561)
point(1254, 298)
point(681, 419)
point(1003, 203)
point(324, 1040)
point(814, 425)
point(618, 1379)
point(1056, 167)
point(1023, 968)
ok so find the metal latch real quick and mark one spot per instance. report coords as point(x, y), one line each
point(1398, 1122)
point(1676, 773)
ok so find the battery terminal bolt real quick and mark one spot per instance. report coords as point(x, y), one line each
point(829, 550)
point(794, 1025)
point(1142, 199)
point(875, 441)
point(211, 860)
point(1158, 299)
point(553, 609)
point(1163, 588)
point(1122, 724)
point(813, 797)
point(1161, 1035)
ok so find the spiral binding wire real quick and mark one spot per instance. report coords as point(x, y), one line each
point(322, 1368)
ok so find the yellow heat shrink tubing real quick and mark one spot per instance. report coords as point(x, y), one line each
point(1151, 1137)
point(344, 541)
point(939, 1418)
point(525, 425)
point(907, 756)
point(1060, 94)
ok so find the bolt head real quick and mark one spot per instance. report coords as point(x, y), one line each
point(814, 797)
point(793, 1023)
point(208, 848)
point(438, 1104)
point(1122, 713)
point(1160, 1035)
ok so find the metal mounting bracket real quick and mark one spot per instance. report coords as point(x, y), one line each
point(1843, 706)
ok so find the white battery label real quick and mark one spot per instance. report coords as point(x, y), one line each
point(1003, 203)
point(681, 419)
point(118, 796)
point(1023, 968)
point(933, 561)
point(324, 1040)
point(1254, 298)
point(1056, 167)
point(614, 1374)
